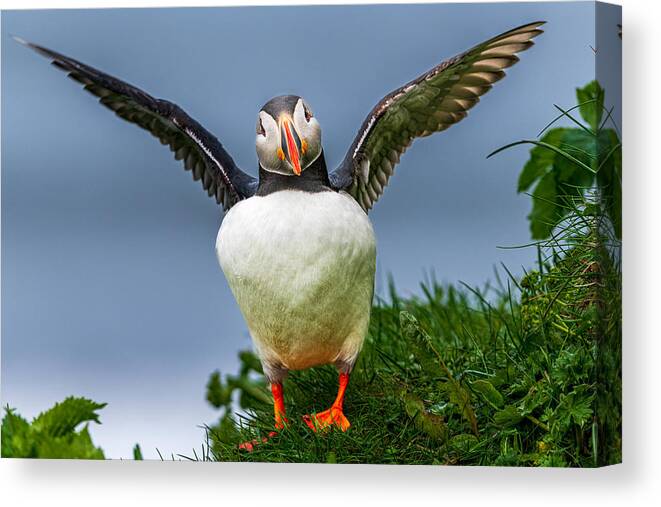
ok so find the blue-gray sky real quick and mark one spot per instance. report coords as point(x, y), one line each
point(110, 285)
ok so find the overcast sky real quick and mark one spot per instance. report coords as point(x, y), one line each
point(110, 285)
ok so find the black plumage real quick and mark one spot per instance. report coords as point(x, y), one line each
point(200, 151)
point(313, 179)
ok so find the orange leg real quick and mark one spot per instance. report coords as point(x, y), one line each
point(333, 415)
point(278, 406)
point(280, 417)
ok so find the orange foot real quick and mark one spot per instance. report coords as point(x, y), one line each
point(327, 418)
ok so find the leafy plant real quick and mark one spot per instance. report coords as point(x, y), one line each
point(52, 434)
point(566, 162)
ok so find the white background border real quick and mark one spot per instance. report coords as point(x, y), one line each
point(637, 482)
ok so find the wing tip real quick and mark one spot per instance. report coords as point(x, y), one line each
point(27, 43)
point(535, 24)
point(533, 28)
point(35, 47)
point(20, 40)
point(529, 31)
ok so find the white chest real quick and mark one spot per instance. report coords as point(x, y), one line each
point(301, 267)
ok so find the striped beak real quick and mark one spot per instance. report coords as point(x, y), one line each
point(290, 144)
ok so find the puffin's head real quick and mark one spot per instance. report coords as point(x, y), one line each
point(288, 136)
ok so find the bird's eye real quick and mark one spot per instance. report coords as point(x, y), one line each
point(308, 113)
point(260, 128)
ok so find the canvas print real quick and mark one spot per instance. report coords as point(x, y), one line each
point(398, 241)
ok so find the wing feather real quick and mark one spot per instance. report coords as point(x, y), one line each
point(430, 103)
point(200, 151)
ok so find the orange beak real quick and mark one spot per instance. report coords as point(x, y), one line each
point(291, 145)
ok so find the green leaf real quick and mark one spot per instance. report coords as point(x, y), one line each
point(591, 98)
point(571, 179)
point(509, 416)
point(541, 159)
point(553, 460)
point(63, 417)
point(52, 434)
point(490, 393)
point(509, 373)
point(545, 211)
point(430, 424)
point(583, 147)
point(463, 443)
point(536, 397)
point(577, 405)
point(458, 395)
point(71, 446)
point(609, 177)
point(217, 394)
point(15, 436)
point(578, 156)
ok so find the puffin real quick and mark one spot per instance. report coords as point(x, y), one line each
point(296, 244)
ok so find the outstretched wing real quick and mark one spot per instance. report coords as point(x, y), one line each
point(201, 152)
point(431, 103)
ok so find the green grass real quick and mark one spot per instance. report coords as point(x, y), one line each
point(526, 374)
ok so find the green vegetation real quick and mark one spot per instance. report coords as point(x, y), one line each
point(52, 434)
point(524, 373)
point(567, 162)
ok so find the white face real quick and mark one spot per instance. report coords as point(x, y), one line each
point(290, 143)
